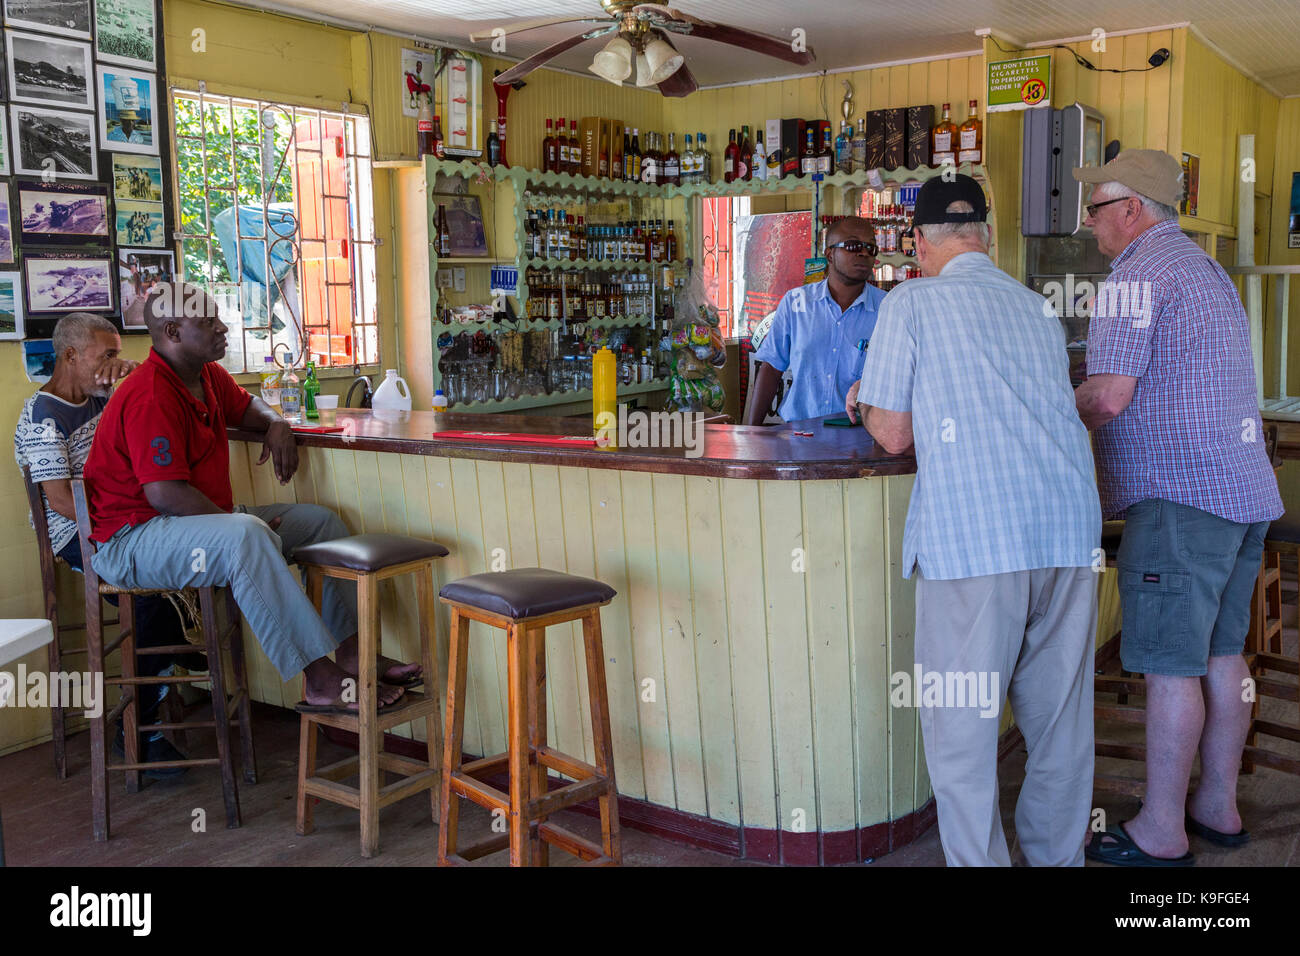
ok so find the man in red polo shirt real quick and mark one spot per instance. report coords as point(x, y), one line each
point(163, 514)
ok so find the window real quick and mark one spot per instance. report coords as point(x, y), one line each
point(277, 223)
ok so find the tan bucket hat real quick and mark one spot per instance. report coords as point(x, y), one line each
point(1150, 172)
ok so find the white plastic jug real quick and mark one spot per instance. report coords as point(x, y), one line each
point(392, 395)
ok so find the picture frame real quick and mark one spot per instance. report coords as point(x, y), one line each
point(138, 271)
point(12, 327)
point(66, 137)
point(56, 283)
point(63, 213)
point(464, 222)
point(139, 224)
point(38, 360)
point(128, 110)
point(5, 168)
point(126, 33)
point(137, 178)
point(49, 71)
point(69, 18)
point(6, 226)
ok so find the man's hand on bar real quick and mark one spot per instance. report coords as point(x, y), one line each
point(851, 401)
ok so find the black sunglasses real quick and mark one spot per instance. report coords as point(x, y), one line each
point(1093, 207)
point(855, 247)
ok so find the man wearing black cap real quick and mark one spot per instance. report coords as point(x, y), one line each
point(969, 366)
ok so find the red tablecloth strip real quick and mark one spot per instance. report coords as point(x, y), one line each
point(317, 429)
point(524, 437)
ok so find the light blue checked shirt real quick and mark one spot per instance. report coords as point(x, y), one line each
point(1004, 476)
point(822, 346)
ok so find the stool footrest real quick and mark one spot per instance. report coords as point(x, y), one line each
point(1274, 761)
point(1273, 729)
point(563, 763)
point(485, 795)
point(1275, 662)
point(482, 848)
point(570, 842)
point(1114, 784)
point(567, 796)
point(413, 706)
point(156, 764)
point(1123, 715)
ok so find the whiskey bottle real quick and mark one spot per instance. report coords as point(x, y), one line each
point(561, 147)
point(943, 139)
point(670, 243)
point(808, 150)
point(575, 149)
point(826, 156)
point(971, 137)
point(672, 164)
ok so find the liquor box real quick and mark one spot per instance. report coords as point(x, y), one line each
point(875, 139)
point(792, 135)
point(589, 129)
point(920, 120)
point(895, 138)
point(772, 142)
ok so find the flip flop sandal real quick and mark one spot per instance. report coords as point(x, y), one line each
point(1125, 851)
point(1217, 837)
point(339, 707)
point(407, 682)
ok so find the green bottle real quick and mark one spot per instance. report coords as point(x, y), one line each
point(310, 389)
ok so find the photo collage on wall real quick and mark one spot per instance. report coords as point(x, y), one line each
point(83, 194)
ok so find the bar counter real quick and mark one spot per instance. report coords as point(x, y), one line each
point(761, 610)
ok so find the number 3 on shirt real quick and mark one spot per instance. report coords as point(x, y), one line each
point(164, 456)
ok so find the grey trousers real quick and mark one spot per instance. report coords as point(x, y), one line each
point(1031, 635)
point(241, 550)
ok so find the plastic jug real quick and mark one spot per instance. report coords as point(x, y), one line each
point(604, 399)
point(393, 395)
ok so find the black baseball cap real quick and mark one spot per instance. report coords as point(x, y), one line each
point(938, 194)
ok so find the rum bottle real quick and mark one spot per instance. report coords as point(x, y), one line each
point(549, 156)
point(943, 139)
point(971, 137)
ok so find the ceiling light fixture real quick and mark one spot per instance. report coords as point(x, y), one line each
point(614, 62)
point(662, 59)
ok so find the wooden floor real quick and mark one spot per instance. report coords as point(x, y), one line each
point(47, 822)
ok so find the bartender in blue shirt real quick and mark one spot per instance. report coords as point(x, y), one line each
point(820, 331)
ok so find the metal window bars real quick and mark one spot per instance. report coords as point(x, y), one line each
point(286, 199)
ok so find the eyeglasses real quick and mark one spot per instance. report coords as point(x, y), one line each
point(1093, 207)
point(855, 247)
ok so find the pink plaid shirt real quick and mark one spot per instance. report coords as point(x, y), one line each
point(1170, 316)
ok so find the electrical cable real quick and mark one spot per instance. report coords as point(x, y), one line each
point(1083, 62)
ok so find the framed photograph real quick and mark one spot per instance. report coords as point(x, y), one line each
point(5, 169)
point(49, 71)
point(11, 306)
point(69, 18)
point(6, 226)
point(38, 360)
point(58, 282)
point(137, 177)
point(140, 224)
point(138, 271)
point(62, 213)
point(464, 222)
point(127, 110)
point(125, 33)
point(67, 140)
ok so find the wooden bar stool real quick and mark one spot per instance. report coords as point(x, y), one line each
point(369, 559)
point(524, 603)
point(224, 706)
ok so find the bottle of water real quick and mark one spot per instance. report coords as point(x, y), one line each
point(290, 392)
point(271, 383)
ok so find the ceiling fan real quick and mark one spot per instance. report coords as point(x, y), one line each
point(641, 41)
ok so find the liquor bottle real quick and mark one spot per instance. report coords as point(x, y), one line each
point(310, 389)
point(826, 156)
point(672, 164)
point(670, 243)
point(688, 161)
point(660, 243)
point(844, 149)
point(550, 237)
point(627, 154)
point(859, 145)
point(437, 136)
point(703, 159)
point(971, 137)
point(759, 169)
point(444, 234)
point(583, 245)
point(650, 160)
point(493, 149)
point(634, 158)
point(530, 235)
point(550, 155)
point(943, 139)
point(290, 392)
point(575, 149)
point(602, 164)
point(808, 150)
point(424, 128)
point(745, 165)
point(561, 147)
point(730, 159)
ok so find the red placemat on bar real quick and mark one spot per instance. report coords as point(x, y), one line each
point(523, 437)
point(317, 429)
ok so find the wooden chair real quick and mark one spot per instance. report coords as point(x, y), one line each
point(223, 706)
point(1107, 683)
point(369, 559)
point(524, 603)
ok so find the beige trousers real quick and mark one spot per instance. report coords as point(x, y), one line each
point(1029, 635)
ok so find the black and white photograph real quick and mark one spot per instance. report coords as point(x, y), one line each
point(127, 110)
point(6, 227)
point(140, 224)
point(125, 32)
point(11, 306)
point(53, 142)
point(137, 177)
point(69, 18)
point(138, 271)
point(49, 71)
point(4, 144)
point(63, 212)
point(67, 282)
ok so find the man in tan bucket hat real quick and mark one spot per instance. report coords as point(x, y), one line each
point(1180, 455)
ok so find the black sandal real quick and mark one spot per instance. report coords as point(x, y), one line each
point(1124, 851)
point(1217, 837)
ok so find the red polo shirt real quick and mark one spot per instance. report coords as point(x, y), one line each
point(153, 429)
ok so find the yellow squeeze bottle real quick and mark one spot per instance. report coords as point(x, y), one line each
point(604, 399)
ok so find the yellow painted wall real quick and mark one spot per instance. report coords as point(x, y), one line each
point(1286, 160)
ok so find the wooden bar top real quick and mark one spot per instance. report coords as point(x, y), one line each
point(729, 451)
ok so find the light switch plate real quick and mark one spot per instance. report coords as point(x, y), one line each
point(459, 274)
point(444, 279)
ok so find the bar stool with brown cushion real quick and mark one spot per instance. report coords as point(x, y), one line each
point(524, 602)
point(223, 706)
point(369, 559)
point(1265, 652)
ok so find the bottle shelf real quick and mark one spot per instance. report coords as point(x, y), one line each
point(593, 265)
point(535, 325)
point(471, 260)
point(555, 398)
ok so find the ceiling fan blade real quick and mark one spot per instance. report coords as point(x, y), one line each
point(524, 67)
point(482, 36)
point(682, 82)
point(773, 46)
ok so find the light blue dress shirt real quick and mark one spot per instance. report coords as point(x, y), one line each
point(821, 345)
point(1004, 471)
